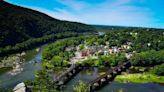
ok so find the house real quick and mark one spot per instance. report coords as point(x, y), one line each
point(101, 33)
point(106, 52)
point(128, 55)
point(129, 43)
point(106, 47)
point(121, 49)
point(86, 47)
point(78, 48)
point(70, 49)
point(100, 52)
point(110, 51)
point(115, 49)
point(91, 52)
point(125, 46)
point(83, 53)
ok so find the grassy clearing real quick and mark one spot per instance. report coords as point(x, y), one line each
point(140, 78)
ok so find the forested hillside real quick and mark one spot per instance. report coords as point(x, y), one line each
point(106, 28)
point(21, 25)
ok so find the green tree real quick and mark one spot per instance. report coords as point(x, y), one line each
point(57, 61)
point(81, 87)
point(159, 70)
point(81, 47)
point(148, 58)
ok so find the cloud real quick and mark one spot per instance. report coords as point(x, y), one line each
point(58, 14)
point(116, 12)
point(73, 4)
point(109, 12)
point(119, 13)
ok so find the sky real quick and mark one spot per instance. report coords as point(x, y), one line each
point(138, 13)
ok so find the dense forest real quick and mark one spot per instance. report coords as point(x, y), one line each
point(18, 25)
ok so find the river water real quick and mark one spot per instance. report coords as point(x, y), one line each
point(87, 75)
point(9, 81)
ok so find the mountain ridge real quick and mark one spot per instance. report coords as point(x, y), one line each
point(19, 24)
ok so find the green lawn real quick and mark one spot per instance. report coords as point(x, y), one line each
point(140, 78)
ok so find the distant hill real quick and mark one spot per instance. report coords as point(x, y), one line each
point(105, 28)
point(18, 25)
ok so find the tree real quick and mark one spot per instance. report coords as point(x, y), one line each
point(159, 70)
point(148, 58)
point(81, 47)
point(57, 61)
point(81, 87)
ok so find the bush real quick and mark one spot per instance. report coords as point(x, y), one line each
point(81, 87)
point(148, 58)
point(159, 70)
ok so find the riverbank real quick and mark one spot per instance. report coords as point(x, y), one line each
point(139, 78)
point(32, 63)
point(5, 69)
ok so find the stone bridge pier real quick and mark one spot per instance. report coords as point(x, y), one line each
point(108, 77)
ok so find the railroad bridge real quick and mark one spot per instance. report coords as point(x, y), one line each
point(95, 84)
point(67, 75)
point(108, 76)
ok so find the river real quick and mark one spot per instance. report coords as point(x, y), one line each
point(8, 80)
point(29, 68)
point(87, 75)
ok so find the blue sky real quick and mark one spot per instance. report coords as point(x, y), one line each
point(140, 13)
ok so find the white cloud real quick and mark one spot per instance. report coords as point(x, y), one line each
point(76, 5)
point(115, 12)
point(117, 15)
point(58, 14)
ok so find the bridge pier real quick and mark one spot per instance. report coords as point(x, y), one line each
point(67, 75)
point(108, 76)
